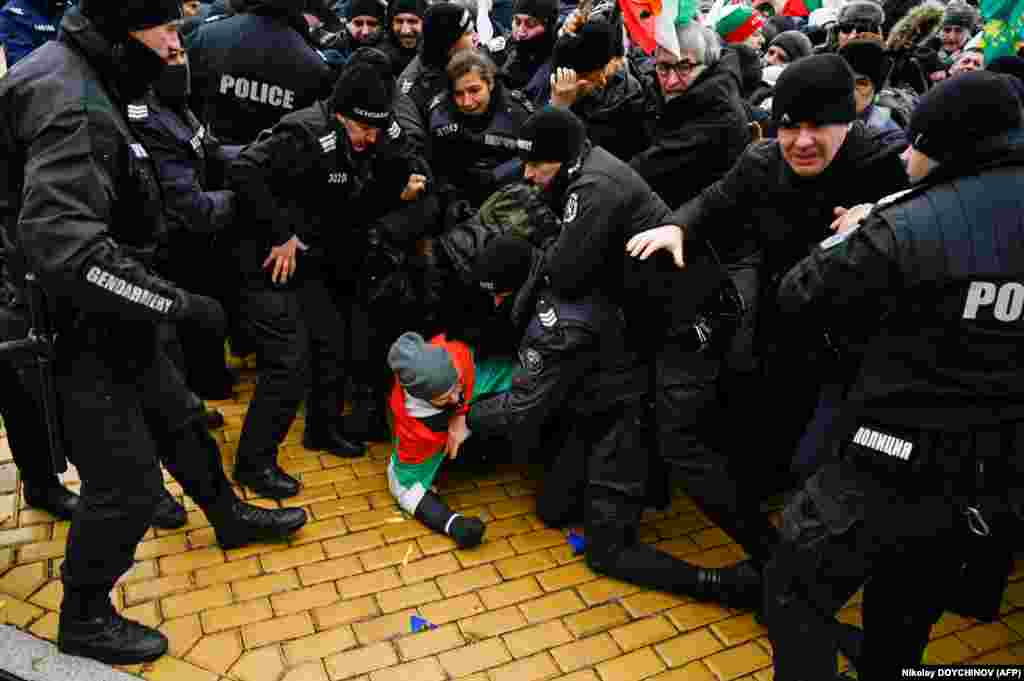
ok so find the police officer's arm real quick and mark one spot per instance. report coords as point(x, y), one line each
point(186, 203)
point(262, 171)
point(63, 230)
point(574, 263)
point(856, 269)
point(562, 357)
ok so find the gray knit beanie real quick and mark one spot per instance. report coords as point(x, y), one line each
point(425, 371)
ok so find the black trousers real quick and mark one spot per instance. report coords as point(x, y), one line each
point(21, 409)
point(298, 334)
point(125, 408)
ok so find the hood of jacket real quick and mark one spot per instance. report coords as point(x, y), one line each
point(622, 89)
point(918, 26)
point(711, 94)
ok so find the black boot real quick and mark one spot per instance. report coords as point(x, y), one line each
point(53, 498)
point(435, 514)
point(326, 437)
point(90, 627)
point(270, 482)
point(169, 514)
point(237, 523)
point(736, 586)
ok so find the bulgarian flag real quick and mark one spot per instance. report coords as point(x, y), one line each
point(652, 23)
point(1003, 34)
point(738, 22)
point(801, 8)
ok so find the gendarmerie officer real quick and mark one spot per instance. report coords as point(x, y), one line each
point(474, 129)
point(190, 168)
point(82, 195)
point(254, 67)
point(27, 24)
point(345, 153)
point(919, 504)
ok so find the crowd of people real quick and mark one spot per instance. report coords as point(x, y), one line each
point(777, 254)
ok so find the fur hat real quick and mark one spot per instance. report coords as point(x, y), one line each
point(866, 58)
point(917, 27)
point(862, 10)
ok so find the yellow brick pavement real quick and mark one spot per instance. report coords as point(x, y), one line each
point(335, 601)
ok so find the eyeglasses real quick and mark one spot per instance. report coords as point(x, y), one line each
point(680, 68)
point(859, 27)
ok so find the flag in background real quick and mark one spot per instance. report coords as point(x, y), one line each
point(651, 23)
point(1003, 34)
point(801, 8)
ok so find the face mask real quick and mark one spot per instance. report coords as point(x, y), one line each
point(174, 84)
point(138, 68)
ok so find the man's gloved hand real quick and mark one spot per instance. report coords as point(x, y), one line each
point(206, 312)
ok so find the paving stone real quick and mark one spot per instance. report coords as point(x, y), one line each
point(304, 599)
point(24, 580)
point(549, 607)
point(237, 615)
point(452, 609)
point(735, 662)
point(329, 570)
point(196, 601)
point(986, 637)
point(407, 529)
point(169, 668)
point(468, 580)
point(430, 642)
point(258, 665)
point(217, 653)
point(428, 568)
point(527, 642)
point(338, 507)
point(280, 561)
point(736, 630)
point(408, 596)
point(353, 543)
point(650, 602)
point(434, 543)
point(422, 670)
point(311, 671)
point(693, 615)
point(24, 535)
point(318, 530)
point(228, 572)
point(394, 554)
point(190, 561)
point(361, 661)
point(947, 650)
point(538, 561)
point(534, 541)
point(596, 619)
point(604, 590)
point(50, 596)
point(19, 613)
point(695, 671)
point(688, 647)
point(257, 587)
point(536, 668)
point(636, 665)
point(319, 645)
point(275, 630)
point(345, 612)
point(369, 583)
point(182, 633)
point(474, 658)
point(383, 628)
point(643, 633)
point(585, 653)
point(492, 623)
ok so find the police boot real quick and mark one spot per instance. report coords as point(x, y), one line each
point(322, 428)
point(90, 627)
point(735, 586)
point(53, 498)
point(270, 482)
point(169, 514)
point(368, 420)
point(237, 523)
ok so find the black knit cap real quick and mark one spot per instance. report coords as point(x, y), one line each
point(417, 7)
point(816, 89)
point(795, 44)
point(544, 10)
point(116, 18)
point(589, 50)
point(504, 264)
point(553, 135)
point(955, 115)
point(362, 94)
point(443, 25)
point(866, 58)
point(367, 8)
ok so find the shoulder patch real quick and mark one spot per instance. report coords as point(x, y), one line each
point(531, 360)
point(139, 151)
point(546, 313)
point(329, 142)
point(394, 130)
point(138, 112)
point(17, 10)
point(197, 139)
point(572, 208)
point(436, 101)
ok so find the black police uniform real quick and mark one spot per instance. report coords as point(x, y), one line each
point(250, 69)
point(418, 86)
point(86, 212)
point(932, 458)
point(294, 180)
point(478, 154)
point(190, 163)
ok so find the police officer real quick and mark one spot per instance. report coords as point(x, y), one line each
point(447, 29)
point(578, 319)
point(770, 207)
point(290, 182)
point(919, 504)
point(475, 129)
point(403, 32)
point(27, 24)
point(89, 217)
point(252, 68)
point(534, 32)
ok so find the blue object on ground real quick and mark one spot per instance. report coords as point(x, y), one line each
point(577, 542)
point(420, 624)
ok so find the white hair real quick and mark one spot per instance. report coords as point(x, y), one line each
point(693, 37)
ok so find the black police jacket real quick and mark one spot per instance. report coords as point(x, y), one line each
point(696, 137)
point(302, 178)
point(478, 154)
point(418, 86)
point(78, 191)
point(237, 89)
point(602, 203)
point(188, 160)
point(937, 275)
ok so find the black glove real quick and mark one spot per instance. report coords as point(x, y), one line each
point(207, 313)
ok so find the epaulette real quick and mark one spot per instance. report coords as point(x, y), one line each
point(394, 130)
point(138, 112)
